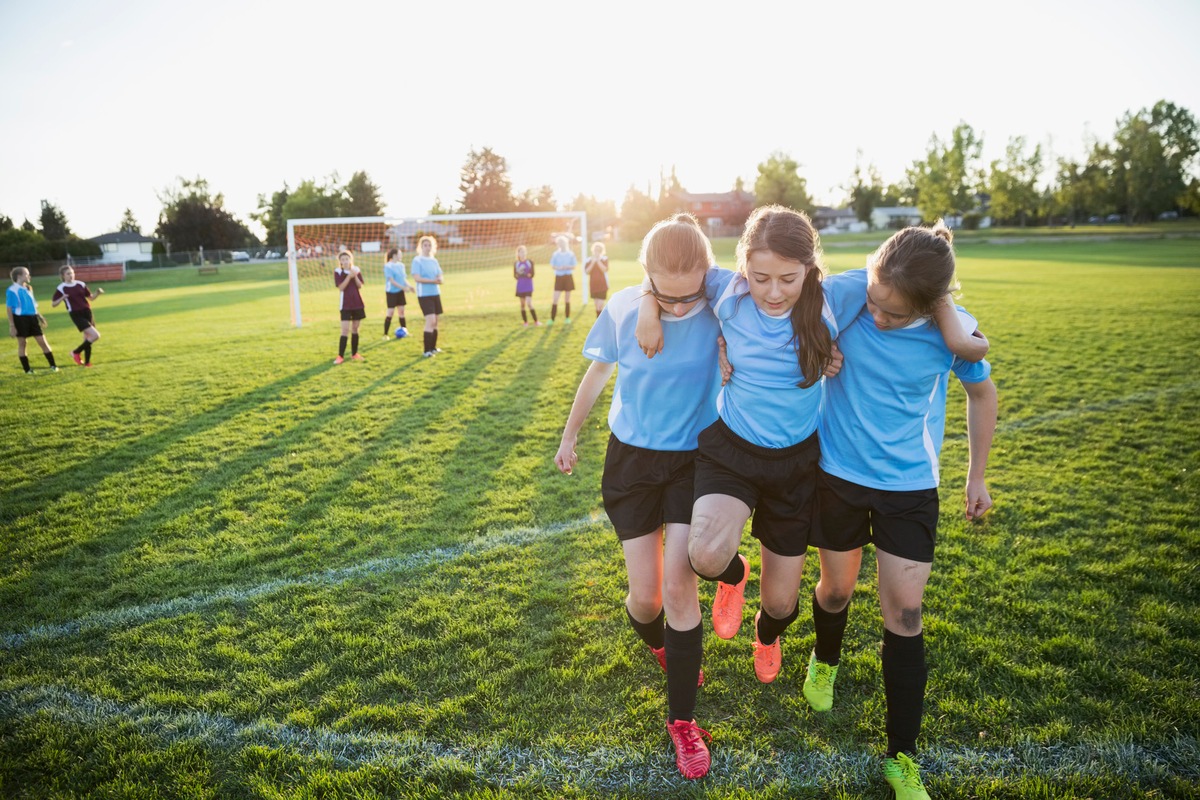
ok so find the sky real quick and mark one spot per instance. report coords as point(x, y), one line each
point(104, 103)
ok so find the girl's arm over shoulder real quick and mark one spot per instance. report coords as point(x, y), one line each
point(967, 345)
point(649, 331)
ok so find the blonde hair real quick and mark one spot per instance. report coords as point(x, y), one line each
point(521, 247)
point(676, 246)
point(62, 271)
point(918, 263)
point(790, 234)
point(561, 241)
point(18, 271)
point(432, 243)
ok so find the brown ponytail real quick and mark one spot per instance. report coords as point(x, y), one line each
point(918, 263)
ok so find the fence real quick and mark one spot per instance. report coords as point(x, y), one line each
point(184, 258)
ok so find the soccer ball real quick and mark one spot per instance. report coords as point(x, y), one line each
point(401, 333)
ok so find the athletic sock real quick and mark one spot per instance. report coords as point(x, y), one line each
point(25, 363)
point(428, 342)
point(685, 649)
point(341, 346)
point(81, 347)
point(354, 344)
point(568, 314)
point(50, 359)
point(733, 573)
point(534, 313)
point(652, 631)
point(553, 311)
point(830, 629)
point(769, 627)
point(387, 323)
point(403, 324)
point(435, 338)
point(524, 316)
point(87, 352)
point(904, 678)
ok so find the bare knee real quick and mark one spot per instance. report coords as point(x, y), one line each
point(644, 605)
point(709, 556)
point(834, 600)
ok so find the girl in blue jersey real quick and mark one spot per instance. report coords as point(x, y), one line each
point(395, 284)
point(24, 321)
point(881, 432)
point(427, 274)
point(779, 317)
point(563, 262)
point(655, 417)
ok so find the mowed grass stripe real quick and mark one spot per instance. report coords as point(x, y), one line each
point(183, 605)
point(617, 768)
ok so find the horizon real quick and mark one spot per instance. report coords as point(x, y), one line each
point(128, 97)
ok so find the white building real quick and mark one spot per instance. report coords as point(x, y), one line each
point(891, 217)
point(126, 246)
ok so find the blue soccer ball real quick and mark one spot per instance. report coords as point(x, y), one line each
point(401, 333)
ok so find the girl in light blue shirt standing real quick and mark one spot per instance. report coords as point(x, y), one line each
point(427, 274)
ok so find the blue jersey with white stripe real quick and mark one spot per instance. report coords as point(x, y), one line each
point(884, 415)
point(427, 267)
point(394, 271)
point(664, 403)
point(564, 263)
point(20, 300)
point(763, 402)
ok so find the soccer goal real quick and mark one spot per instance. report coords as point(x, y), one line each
point(466, 243)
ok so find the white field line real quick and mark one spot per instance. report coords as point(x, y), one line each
point(183, 605)
point(134, 615)
point(619, 768)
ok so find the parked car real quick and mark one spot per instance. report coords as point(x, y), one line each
point(240, 255)
point(272, 254)
point(1113, 218)
point(1169, 215)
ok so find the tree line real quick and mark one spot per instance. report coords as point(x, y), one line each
point(1146, 170)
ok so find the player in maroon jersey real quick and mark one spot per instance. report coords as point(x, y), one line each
point(78, 297)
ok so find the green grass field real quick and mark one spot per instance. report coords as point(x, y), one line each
point(229, 569)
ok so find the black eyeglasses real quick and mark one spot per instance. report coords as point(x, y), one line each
point(691, 298)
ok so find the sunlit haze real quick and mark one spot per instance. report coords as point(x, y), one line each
point(105, 103)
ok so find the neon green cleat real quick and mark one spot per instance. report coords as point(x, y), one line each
point(904, 776)
point(818, 684)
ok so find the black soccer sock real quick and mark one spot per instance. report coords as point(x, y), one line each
point(524, 316)
point(81, 347)
point(904, 678)
point(830, 628)
point(769, 627)
point(50, 358)
point(568, 314)
point(553, 311)
point(652, 631)
point(25, 363)
point(428, 342)
point(435, 333)
point(403, 324)
point(341, 346)
point(534, 313)
point(87, 352)
point(354, 344)
point(387, 323)
point(685, 650)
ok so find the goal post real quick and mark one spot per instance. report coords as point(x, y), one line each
point(479, 249)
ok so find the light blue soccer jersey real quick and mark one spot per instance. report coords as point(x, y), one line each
point(426, 267)
point(661, 404)
point(20, 300)
point(763, 402)
point(883, 416)
point(564, 264)
point(394, 271)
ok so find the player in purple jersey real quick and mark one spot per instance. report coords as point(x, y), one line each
point(657, 412)
point(24, 321)
point(76, 295)
point(523, 272)
point(349, 280)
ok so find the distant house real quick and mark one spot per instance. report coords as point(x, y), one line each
point(837, 220)
point(126, 246)
point(406, 234)
point(894, 217)
point(720, 213)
